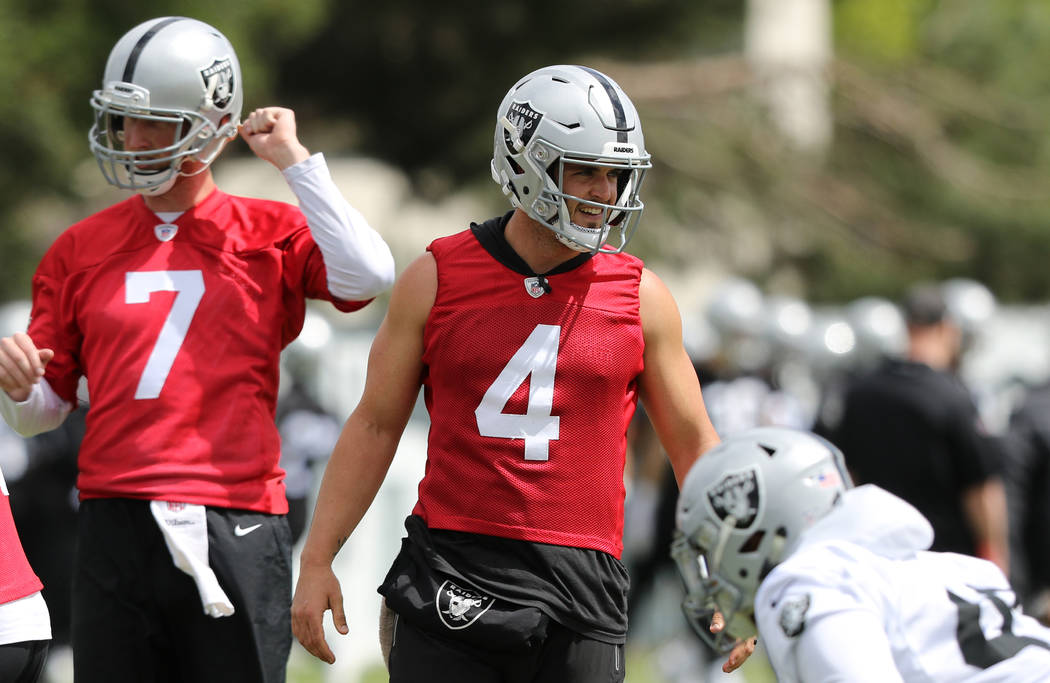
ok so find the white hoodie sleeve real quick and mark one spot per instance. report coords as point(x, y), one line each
point(358, 262)
point(42, 411)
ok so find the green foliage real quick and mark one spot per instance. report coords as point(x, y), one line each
point(939, 166)
point(421, 81)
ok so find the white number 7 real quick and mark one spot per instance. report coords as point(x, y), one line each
point(189, 288)
point(538, 357)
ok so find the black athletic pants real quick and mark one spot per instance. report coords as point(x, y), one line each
point(137, 617)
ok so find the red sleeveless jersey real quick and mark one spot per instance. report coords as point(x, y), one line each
point(530, 398)
point(17, 579)
point(179, 332)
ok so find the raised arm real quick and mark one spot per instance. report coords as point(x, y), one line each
point(357, 259)
point(364, 452)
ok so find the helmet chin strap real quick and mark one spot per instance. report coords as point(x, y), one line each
point(579, 246)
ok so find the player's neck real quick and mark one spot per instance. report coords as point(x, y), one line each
point(186, 193)
point(535, 244)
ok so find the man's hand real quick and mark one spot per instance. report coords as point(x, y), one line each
point(21, 365)
point(271, 133)
point(316, 592)
point(741, 651)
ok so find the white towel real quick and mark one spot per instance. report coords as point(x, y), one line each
point(185, 529)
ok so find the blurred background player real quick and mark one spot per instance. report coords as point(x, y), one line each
point(308, 431)
point(910, 426)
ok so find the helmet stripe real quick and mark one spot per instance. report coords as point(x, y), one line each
point(133, 58)
point(614, 100)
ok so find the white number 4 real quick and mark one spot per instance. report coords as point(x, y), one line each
point(537, 357)
point(188, 286)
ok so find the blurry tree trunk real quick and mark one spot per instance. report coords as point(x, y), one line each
point(788, 43)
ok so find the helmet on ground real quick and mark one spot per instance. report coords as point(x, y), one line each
point(970, 304)
point(787, 321)
point(879, 327)
point(167, 70)
point(562, 115)
point(736, 308)
point(740, 512)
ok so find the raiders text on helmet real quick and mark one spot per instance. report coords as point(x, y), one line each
point(562, 115)
point(168, 70)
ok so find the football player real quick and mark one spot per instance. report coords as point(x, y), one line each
point(175, 305)
point(837, 580)
point(532, 335)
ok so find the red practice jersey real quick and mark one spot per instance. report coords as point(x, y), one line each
point(17, 579)
point(530, 397)
point(179, 333)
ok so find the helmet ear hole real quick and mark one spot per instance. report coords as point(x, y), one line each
point(753, 542)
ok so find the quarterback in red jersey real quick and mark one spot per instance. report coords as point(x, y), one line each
point(174, 305)
point(532, 336)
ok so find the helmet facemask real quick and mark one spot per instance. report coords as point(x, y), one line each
point(619, 219)
point(708, 588)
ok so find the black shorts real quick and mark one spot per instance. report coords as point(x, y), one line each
point(562, 655)
point(137, 617)
point(22, 662)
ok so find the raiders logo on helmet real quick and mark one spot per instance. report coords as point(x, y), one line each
point(218, 83)
point(460, 607)
point(736, 494)
point(525, 120)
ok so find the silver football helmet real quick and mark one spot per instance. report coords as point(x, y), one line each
point(740, 512)
point(880, 329)
point(562, 115)
point(971, 305)
point(166, 70)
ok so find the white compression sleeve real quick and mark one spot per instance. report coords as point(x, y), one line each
point(358, 261)
point(42, 411)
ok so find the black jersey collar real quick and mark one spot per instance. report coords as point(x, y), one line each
point(492, 236)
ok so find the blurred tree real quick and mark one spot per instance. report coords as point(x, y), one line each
point(421, 81)
point(939, 164)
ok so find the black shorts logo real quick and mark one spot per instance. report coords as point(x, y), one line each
point(460, 607)
point(218, 82)
point(736, 494)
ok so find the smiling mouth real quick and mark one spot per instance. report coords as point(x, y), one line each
point(587, 216)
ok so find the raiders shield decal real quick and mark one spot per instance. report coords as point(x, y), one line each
point(218, 83)
point(460, 607)
point(525, 120)
point(736, 495)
